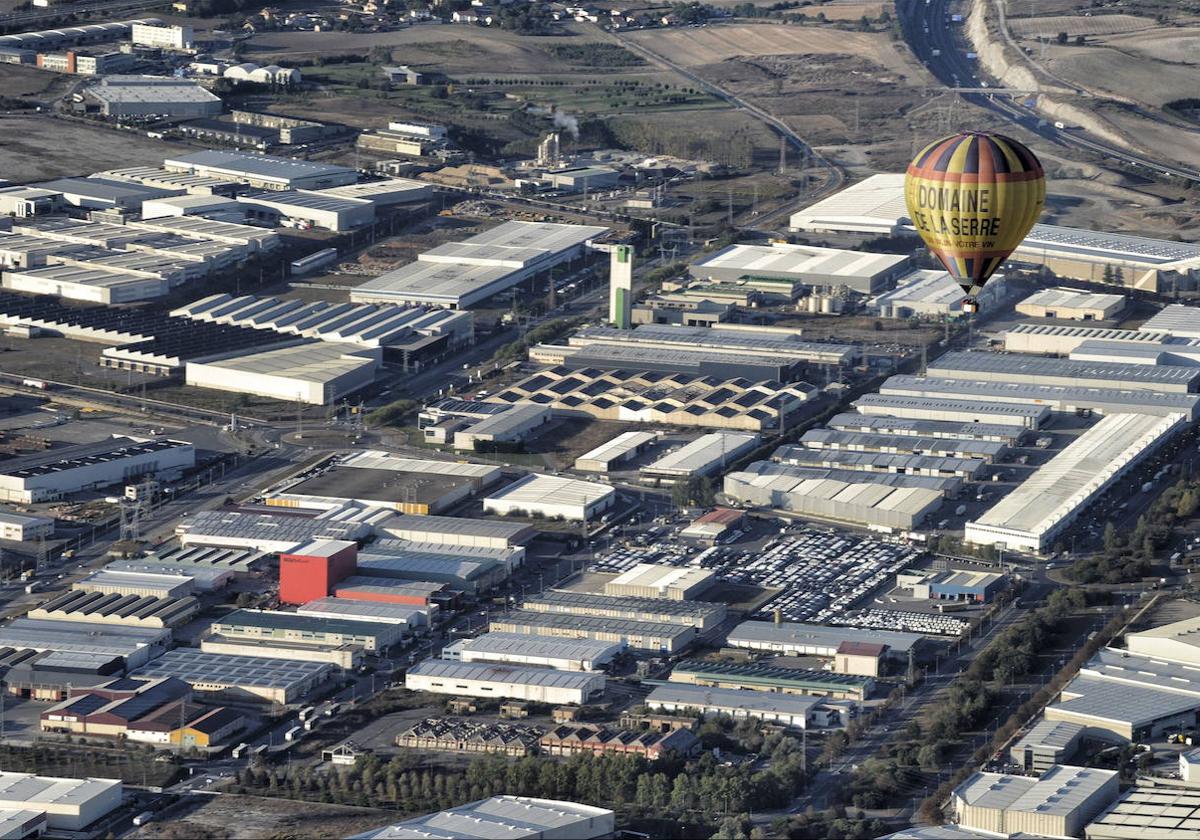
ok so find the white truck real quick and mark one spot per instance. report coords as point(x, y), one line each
point(294, 734)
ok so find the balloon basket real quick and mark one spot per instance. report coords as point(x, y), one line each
point(970, 306)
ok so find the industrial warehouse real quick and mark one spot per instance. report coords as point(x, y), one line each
point(1033, 515)
point(483, 679)
point(458, 275)
point(58, 473)
point(864, 273)
point(652, 637)
point(518, 649)
point(875, 207)
point(703, 615)
point(676, 399)
point(282, 681)
point(381, 479)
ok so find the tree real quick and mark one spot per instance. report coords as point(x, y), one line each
point(1111, 541)
point(1062, 37)
point(1080, 41)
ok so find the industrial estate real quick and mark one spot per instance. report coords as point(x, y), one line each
point(527, 420)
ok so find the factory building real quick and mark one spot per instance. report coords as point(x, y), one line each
point(98, 608)
point(307, 209)
point(624, 447)
point(474, 571)
point(313, 569)
point(703, 615)
point(953, 585)
point(411, 336)
point(344, 657)
point(871, 462)
point(1061, 340)
point(551, 497)
point(425, 594)
point(52, 475)
point(453, 531)
point(23, 527)
point(264, 532)
point(1119, 696)
point(49, 675)
point(317, 373)
point(263, 172)
point(876, 207)
point(733, 340)
point(521, 649)
point(505, 816)
point(769, 707)
point(68, 805)
point(113, 708)
point(255, 678)
point(930, 293)
point(380, 479)
point(1032, 516)
point(790, 638)
point(371, 636)
point(920, 428)
point(162, 37)
point(1176, 320)
point(1048, 743)
point(650, 637)
point(458, 275)
point(208, 206)
point(690, 400)
point(715, 526)
point(110, 581)
point(1059, 803)
point(707, 455)
point(571, 739)
point(1178, 641)
point(804, 265)
point(896, 502)
point(135, 645)
point(411, 618)
point(196, 185)
point(1134, 262)
point(674, 583)
point(1071, 305)
point(393, 192)
point(123, 97)
point(770, 678)
point(483, 679)
point(1031, 370)
point(905, 406)
point(471, 425)
point(1153, 809)
point(1048, 398)
point(938, 447)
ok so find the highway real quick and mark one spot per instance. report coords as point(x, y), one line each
point(928, 30)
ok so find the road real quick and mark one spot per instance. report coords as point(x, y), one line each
point(928, 30)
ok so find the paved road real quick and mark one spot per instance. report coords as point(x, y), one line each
point(927, 29)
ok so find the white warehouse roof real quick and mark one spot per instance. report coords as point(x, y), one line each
point(1058, 791)
point(1176, 319)
point(513, 675)
point(1057, 490)
point(874, 205)
point(502, 818)
point(701, 455)
point(800, 262)
point(536, 489)
point(1063, 298)
point(543, 646)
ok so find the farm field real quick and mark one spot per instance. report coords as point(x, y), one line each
point(1051, 25)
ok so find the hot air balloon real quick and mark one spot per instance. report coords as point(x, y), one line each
point(973, 197)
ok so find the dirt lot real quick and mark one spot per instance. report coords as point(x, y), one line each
point(712, 44)
point(228, 816)
point(38, 146)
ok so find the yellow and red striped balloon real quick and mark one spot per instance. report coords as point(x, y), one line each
point(973, 197)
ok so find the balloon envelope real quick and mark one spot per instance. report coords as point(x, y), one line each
point(973, 197)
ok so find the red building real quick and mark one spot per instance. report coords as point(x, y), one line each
point(311, 571)
point(413, 593)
